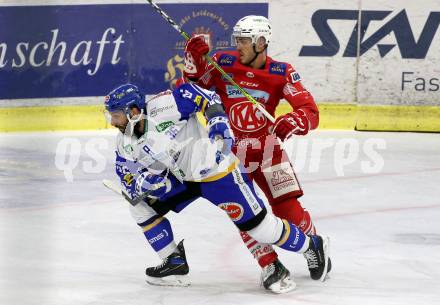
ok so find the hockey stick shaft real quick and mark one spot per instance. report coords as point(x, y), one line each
point(115, 188)
point(213, 63)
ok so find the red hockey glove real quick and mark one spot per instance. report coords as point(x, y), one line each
point(195, 65)
point(291, 123)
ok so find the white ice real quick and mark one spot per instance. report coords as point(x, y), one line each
point(376, 195)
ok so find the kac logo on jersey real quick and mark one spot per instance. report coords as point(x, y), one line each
point(246, 117)
point(399, 26)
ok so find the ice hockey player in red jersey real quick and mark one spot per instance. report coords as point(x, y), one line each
point(257, 139)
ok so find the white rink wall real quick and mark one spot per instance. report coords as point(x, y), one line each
point(369, 78)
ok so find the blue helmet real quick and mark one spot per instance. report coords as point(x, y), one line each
point(123, 98)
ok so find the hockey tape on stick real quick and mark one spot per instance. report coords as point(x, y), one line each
point(115, 188)
point(212, 62)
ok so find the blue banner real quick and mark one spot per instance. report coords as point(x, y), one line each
point(86, 50)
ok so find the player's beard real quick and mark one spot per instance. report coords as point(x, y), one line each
point(122, 128)
point(131, 128)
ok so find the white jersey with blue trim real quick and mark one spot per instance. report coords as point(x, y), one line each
point(175, 140)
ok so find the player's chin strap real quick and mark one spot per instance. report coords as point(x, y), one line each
point(135, 118)
point(133, 121)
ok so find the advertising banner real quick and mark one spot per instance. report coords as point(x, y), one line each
point(85, 50)
point(367, 52)
point(399, 56)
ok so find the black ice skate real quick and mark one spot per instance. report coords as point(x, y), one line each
point(172, 272)
point(317, 257)
point(276, 278)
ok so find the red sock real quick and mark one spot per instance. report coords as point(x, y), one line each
point(263, 253)
point(291, 210)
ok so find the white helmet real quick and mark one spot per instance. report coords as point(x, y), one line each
point(253, 27)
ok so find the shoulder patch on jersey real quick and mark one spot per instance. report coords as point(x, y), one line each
point(277, 68)
point(295, 77)
point(226, 60)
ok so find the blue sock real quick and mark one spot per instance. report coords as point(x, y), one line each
point(292, 239)
point(159, 234)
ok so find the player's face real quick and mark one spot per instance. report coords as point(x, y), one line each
point(119, 120)
point(245, 49)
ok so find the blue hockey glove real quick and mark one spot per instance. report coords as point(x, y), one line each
point(218, 128)
point(156, 185)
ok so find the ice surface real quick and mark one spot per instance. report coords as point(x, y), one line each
point(74, 243)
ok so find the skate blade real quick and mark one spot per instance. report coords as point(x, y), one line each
point(172, 280)
point(284, 286)
point(326, 247)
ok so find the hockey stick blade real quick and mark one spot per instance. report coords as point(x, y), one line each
point(111, 185)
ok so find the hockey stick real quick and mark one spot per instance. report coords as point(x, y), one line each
point(212, 62)
point(115, 188)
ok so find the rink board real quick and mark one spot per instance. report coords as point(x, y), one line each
point(370, 65)
point(332, 116)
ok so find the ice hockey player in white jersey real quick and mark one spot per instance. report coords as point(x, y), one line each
point(163, 150)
